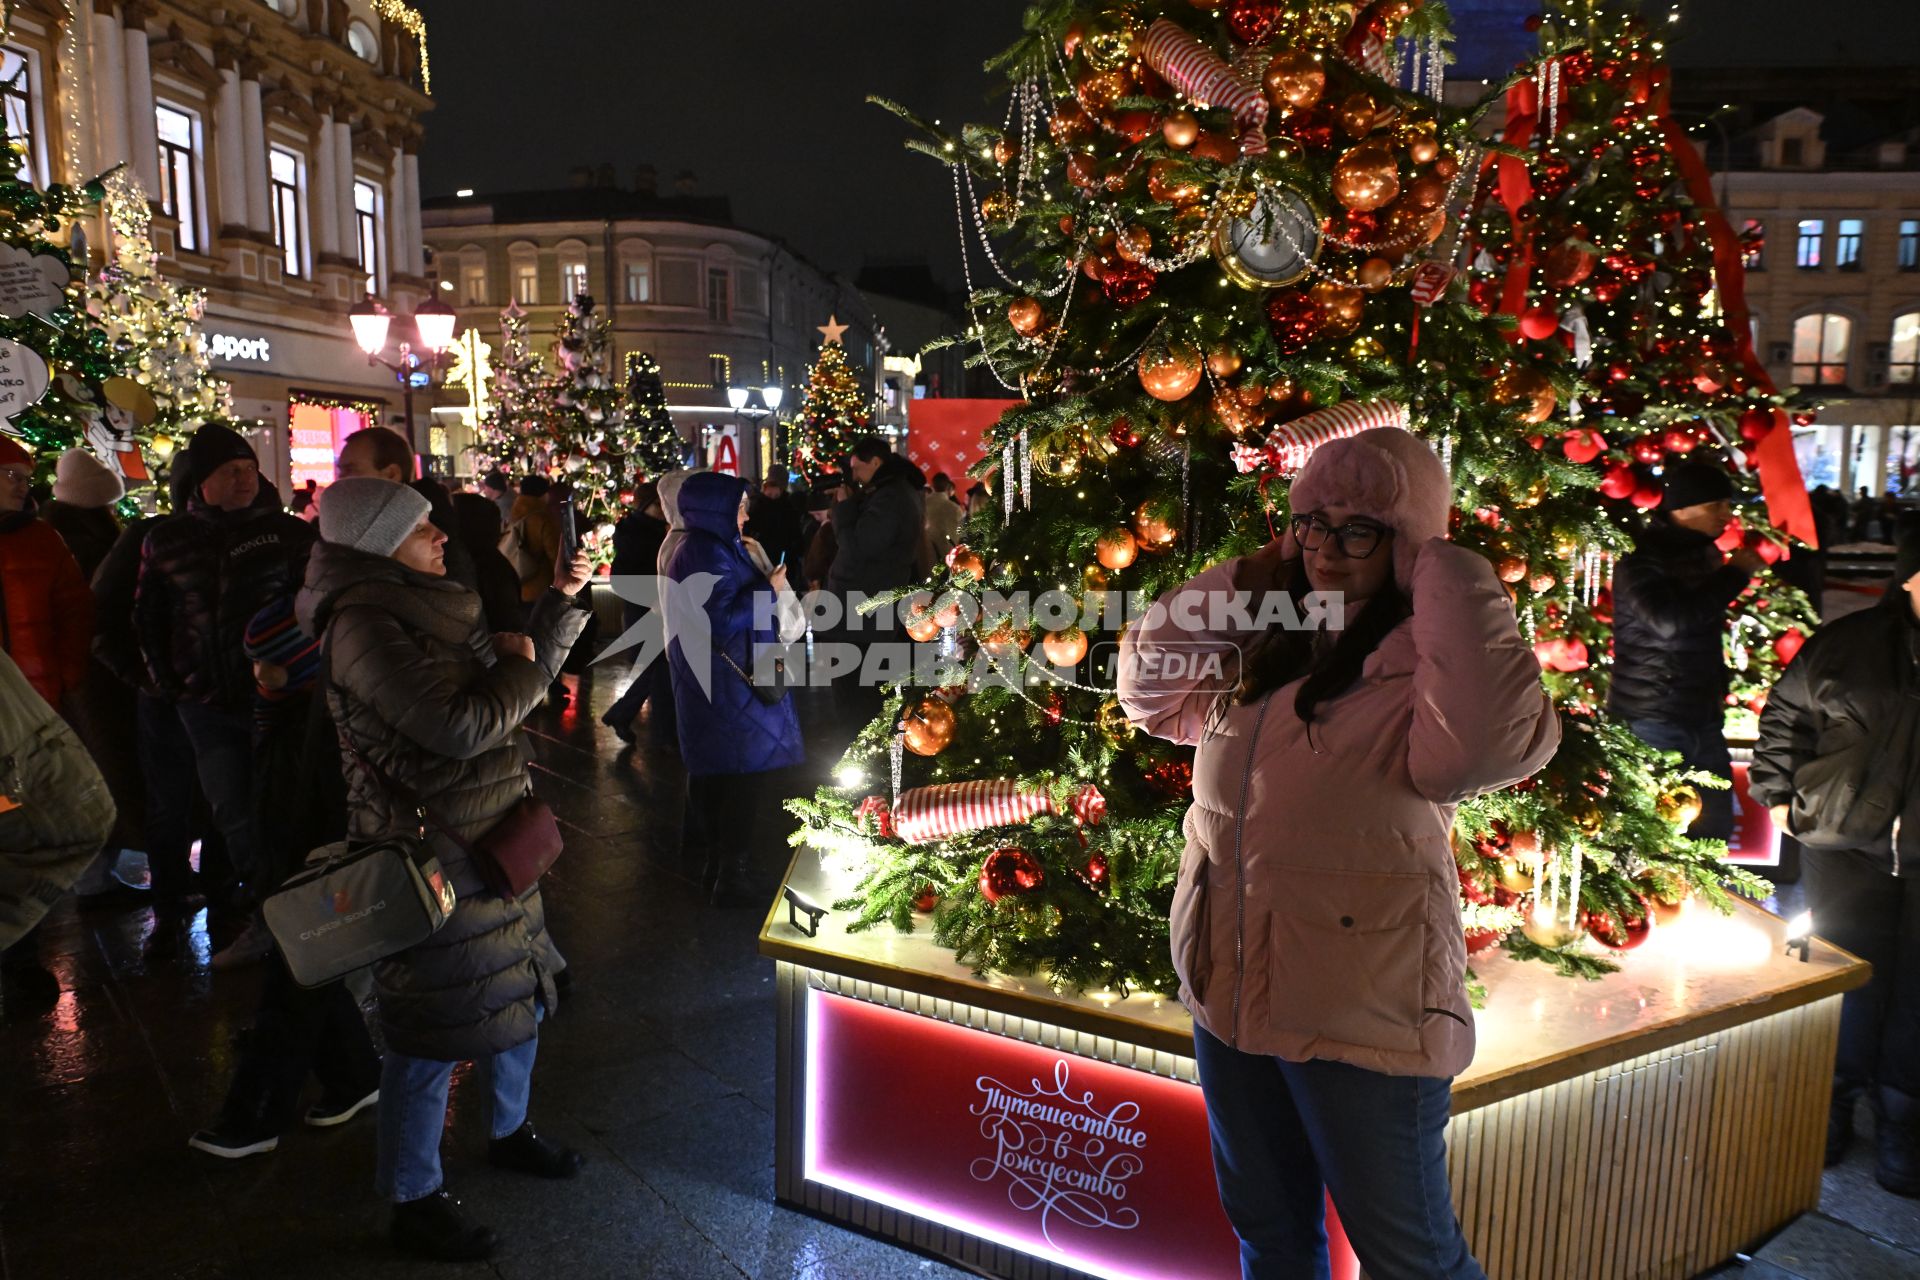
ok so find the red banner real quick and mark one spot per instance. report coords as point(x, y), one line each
point(945, 435)
point(1083, 1163)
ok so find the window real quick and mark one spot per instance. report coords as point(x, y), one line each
point(16, 90)
point(1846, 244)
point(1910, 244)
point(573, 279)
point(283, 177)
point(179, 177)
point(1753, 245)
point(1903, 357)
point(717, 295)
point(639, 280)
point(365, 45)
point(473, 285)
point(526, 283)
point(720, 371)
point(285, 8)
point(1793, 152)
point(1806, 253)
point(366, 223)
point(1820, 344)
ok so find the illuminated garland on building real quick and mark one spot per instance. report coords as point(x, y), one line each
point(408, 19)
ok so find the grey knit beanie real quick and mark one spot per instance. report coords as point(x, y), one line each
point(370, 514)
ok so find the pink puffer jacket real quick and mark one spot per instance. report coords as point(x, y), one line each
point(1317, 912)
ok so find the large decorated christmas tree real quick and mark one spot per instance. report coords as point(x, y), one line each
point(658, 445)
point(593, 446)
point(833, 413)
point(1220, 236)
point(521, 414)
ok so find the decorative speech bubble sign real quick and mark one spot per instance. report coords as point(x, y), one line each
point(23, 379)
point(30, 283)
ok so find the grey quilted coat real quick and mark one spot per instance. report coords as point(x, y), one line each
point(416, 689)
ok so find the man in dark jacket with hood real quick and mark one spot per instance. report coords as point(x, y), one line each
point(1670, 601)
point(880, 537)
point(1845, 713)
point(203, 573)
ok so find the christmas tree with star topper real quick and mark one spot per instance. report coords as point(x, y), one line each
point(1217, 237)
point(1607, 246)
point(522, 416)
point(657, 443)
point(833, 412)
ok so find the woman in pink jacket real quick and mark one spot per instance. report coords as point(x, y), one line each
point(1316, 927)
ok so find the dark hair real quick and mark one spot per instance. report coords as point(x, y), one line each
point(390, 448)
point(871, 449)
point(1285, 653)
point(942, 482)
point(495, 480)
point(534, 486)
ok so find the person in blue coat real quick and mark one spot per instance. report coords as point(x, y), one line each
point(721, 616)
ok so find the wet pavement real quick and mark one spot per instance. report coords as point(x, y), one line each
point(659, 1066)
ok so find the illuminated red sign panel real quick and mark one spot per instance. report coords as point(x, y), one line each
point(1094, 1166)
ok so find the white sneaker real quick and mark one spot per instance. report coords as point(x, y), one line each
point(324, 1114)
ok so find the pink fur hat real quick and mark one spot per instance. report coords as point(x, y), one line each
point(1386, 474)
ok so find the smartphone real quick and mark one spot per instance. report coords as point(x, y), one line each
point(782, 561)
point(569, 528)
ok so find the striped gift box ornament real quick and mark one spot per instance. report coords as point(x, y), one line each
point(950, 808)
point(1200, 73)
point(1292, 443)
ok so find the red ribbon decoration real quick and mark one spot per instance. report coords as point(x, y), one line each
point(1781, 484)
point(1515, 185)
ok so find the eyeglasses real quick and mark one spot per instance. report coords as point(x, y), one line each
point(1358, 539)
point(19, 475)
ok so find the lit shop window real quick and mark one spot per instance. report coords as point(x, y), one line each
point(1820, 345)
point(283, 175)
point(1903, 354)
point(366, 223)
point(179, 134)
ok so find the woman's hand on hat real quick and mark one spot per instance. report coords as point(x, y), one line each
point(571, 575)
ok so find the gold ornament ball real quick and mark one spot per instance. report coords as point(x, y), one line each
point(1170, 374)
point(922, 627)
point(1005, 152)
point(1281, 389)
point(1156, 531)
point(1423, 147)
point(1114, 722)
point(1367, 177)
point(1514, 876)
point(1590, 821)
point(1093, 577)
point(1027, 316)
point(1343, 305)
point(1295, 79)
point(1661, 909)
point(1234, 413)
point(998, 207)
point(1526, 390)
point(1374, 274)
point(1117, 549)
point(1167, 184)
point(1180, 130)
point(1680, 806)
point(1065, 648)
point(1367, 347)
point(1511, 569)
point(964, 561)
point(1133, 243)
point(1108, 40)
point(1356, 114)
point(1223, 362)
point(930, 725)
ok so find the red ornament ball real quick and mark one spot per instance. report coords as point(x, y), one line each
point(1619, 482)
point(1582, 445)
point(1803, 419)
point(1008, 873)
point(1552, 176)
point(1624, 935)
point(1647, 496)
point(1539, 323)
point(1097, 870)
point(1253, 21)
point(1127, 283)
point(1678, 440)
point(1788, 643)
point(1755, 423)
point(926, 900)
point(1647, 449)
point(1479, 940)
point(1295, 319)
point(1171, 778)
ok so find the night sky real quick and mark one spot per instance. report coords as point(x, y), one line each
point(764, 99)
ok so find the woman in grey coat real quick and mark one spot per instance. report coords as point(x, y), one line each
point(424, 697)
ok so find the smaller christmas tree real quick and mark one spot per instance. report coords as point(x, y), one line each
point(593, 447)
point(833, 414)
point(522, 416)
point(657, 444)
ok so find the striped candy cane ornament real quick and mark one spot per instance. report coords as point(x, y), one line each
point(1291, 444)
point(1200, 73)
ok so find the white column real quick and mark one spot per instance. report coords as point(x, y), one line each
point(230, 152)
point(109, 92)
point(324, 195)
point(416, 256)
point(253, 127)
point(343, 207)
point(397, 216)
point(142, 139)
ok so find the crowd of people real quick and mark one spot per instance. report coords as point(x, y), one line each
point(367, 665)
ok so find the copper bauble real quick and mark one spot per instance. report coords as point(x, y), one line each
point(1422, 146)
point(1065, 648)
point(1101, 89)
point(1008, 873)
point(1426, 191)
point(1156, 530)
point(1410, 227)
point(1221, 148)
point(1093, 577)
point(1374, 273)
point(1367, 176)
point(962, 560)
point(929, 726)
point(1280, 389)
point(1180, 130)
point(1528, 391)
point(1344, 306)
point(1234, 414)
point(1083, 171)
point(1005, 152)
point(1356, 114)
point(1170, 374)
point(1511, 569)
point(1681, 806)
point(1117, 549)
point(1295, 79)
point(1566, 265)
point(1026, 315)
point(1133, 243)
point(1004, 641)
point(922, 627)
point(1223, 362)
point(1168, 183)
point(1070, 124)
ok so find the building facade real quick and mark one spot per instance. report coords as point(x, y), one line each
point(278, 142)
point(716, 305)
point(1819, 172)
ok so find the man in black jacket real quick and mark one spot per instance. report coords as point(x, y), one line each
point(1838, 763)
point(203, 573)
point(880, 536)
point(1670, 601)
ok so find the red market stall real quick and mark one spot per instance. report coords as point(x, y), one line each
point(1647, 1124)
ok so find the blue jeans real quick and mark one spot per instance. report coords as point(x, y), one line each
point(413, 1112)
point(1701, 747)
point(223, 754)
point(1285, 1134)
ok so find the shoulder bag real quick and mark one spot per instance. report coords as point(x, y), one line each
point(353, 905)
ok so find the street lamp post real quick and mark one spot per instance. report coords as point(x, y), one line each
point(770, 397)
point(433, 323)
